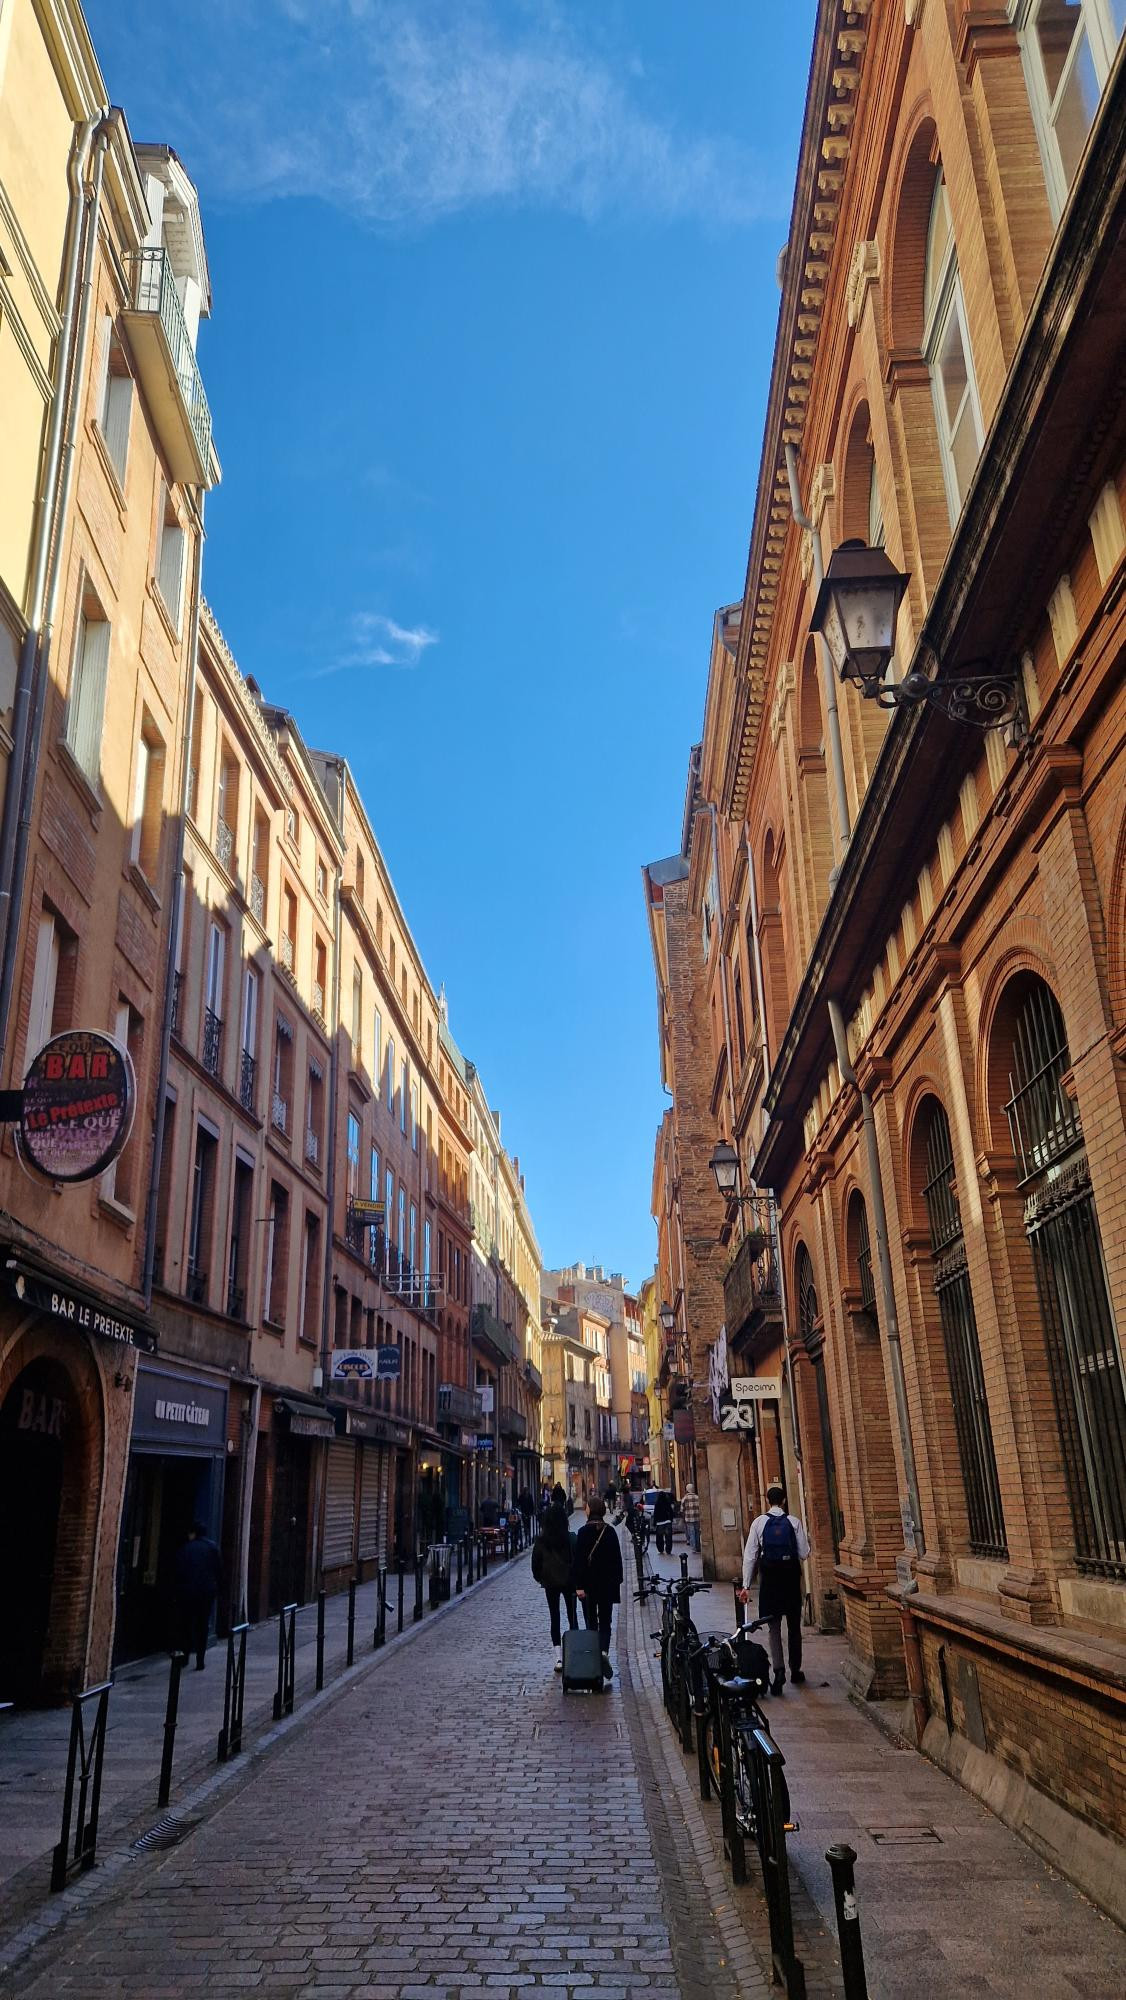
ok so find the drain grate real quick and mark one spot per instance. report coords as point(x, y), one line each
point(568, 1721)
point(167, 1832)
point(901, 1836)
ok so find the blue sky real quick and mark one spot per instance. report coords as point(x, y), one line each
point(494, 305)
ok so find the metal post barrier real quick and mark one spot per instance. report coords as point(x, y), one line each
point(379, 1636)
point(684, 1569)
point(771, 1814)
point(483, 1558)
point(460, 1552)
point(842, 1863)
point(418, 1569)
point(351, 1621)
point(468, 1561)
point(171, 1714)
point(287, 1660)
point(230, 1736)
point(402, 1575)
point(87, 1757)
point(320, 1640)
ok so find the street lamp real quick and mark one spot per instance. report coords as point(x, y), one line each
point(855, 612)
point(667, 1317)
point(724, 1164)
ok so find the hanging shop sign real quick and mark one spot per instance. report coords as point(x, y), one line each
point(369, 1213)
point(388, 1363)
point(683, 1426)
point(175, 1411)
point(75, 1111)
point(353, 1364)
point(752, 1388)
point(484, 1442)
point(81, 1310)
point(735, 1416)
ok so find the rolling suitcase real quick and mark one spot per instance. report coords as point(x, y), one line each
point(582, 1661)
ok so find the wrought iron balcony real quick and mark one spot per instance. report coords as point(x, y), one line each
point(236, 1301)
point(177, 1003)
point(224, 842)
point(165, 359)
point(312, 1147)
point(279, 1113)
point(258, 898)
point(751, 1294)
point(458, 1406)
point(212, 1042)
point(319, 1001)
point(248, 1073)
point(195, 1285)
point(510, 1423)
point(493, 1335)
point(285, 952)
point(533, 1378)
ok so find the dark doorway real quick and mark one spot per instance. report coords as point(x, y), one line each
point(38, 1426)
point(289, 1532)
point(163, 1496)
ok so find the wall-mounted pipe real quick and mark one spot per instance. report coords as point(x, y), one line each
point(828, 677)
point(912, 1513)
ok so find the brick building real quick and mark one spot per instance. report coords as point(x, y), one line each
point(930, 911)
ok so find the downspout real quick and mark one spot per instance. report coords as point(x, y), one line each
point(174, 916)
point(246, 1499)
point(828, 678)
point(912, 1512)
point(29, 699)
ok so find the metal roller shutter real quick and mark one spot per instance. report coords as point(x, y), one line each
point(340, 1503)
point(372, 1485)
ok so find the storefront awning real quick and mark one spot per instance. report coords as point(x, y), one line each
point(306, 1418)
point(372, 1425)
point(41, 1289)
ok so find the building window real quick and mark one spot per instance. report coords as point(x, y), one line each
point(282, 1093)
point(311, 1279)
point(813, 1339)
point(412, 1253)
point(402, 1223)
point(740, 1024)
point(375, 1235)
point(414, 1116)
point(115, 402)
point(389, 1214)
point(1068, 49)
point(288, 939)
point(118, 1179)
point(170, 559)
point(277, 1255)
point(1063, 1231)
point(196, 753)
point(238, 1249)
point(52, 984)
point(320, 978)
point(404, 1095)
point(201, 1216)
point(357, 1015)
point(950, 1267)
point(215, 979)
point(248, 1065)
point(946, 346)
point(359, 875)
point(315, 1115)
point(875, 509)
point(377, 1052)
point(322, 881)
point(391, 1073)
point(85, 708)
point(148, 789)
point(353, 1156)
point(260, 867)
point(226, 815)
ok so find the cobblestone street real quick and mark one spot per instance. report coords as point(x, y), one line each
point(450, 1825)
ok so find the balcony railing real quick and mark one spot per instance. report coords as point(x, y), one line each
point(312, 1147)
point(319, 1001)
point(510, 1423)
point(279, 1113)
point(212, 1042)
point(457, 1405)
point(533, 1378)
point(236, 1300)
point(492, 1333)
point(248, 1072)
point(177, 1003)
point(285, 951)
point(224, 842)
point(166, 362)
point(258, 898)
point(750, 1285)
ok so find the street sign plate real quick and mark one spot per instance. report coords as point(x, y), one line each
point(353, 1364)
point(749, 1388)
point(388, 1363)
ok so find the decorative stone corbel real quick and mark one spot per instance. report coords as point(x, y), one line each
point(821, 492)
point(863, 271)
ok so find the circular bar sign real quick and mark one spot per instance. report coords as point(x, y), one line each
point(79, 1097)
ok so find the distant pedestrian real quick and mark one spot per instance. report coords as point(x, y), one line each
point(559, 1498)
point(527, 1508)
point(776, 1548)
point(197, 1575)
point(598, 1574)
point(663, 1511)
point(553, 1567)
point(690, 1512)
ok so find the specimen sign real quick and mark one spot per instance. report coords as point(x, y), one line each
point(77, 1106)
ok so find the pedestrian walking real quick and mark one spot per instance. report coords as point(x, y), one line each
point(559, 1499)
point(196, 1577)
point(776, 1548)
point(663, 1511)
point(553, 1567)
point(598, 1574)
point(690, 1514)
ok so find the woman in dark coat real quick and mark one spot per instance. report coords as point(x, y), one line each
point(598, 1574)
point(553, 1567)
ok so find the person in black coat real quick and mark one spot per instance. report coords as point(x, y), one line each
point(663, 1511)
point(598, 1574)
point(553, 1567)
point(199, 1569)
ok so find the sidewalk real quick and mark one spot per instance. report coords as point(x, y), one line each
point(33, 1742)
point(951, 1901)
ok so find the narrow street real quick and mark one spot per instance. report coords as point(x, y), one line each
point(450, 1824)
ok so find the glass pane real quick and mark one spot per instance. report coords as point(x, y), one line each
point(1057, 24)
point(952, 369)
point(938, 242)
point(964, 448)
point(1117, 18)
point(1075, 108)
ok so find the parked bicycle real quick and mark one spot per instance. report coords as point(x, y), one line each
point(679, 1642)
point(737, 1758)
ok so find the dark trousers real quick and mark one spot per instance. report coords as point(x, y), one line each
point(790, 1610)
point(599, 1615)
point(195, 1618)
point(553, 1600)
point(663, 1532)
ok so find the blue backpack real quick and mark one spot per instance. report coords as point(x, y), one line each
point(779, 1542)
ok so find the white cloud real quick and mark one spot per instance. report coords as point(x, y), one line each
point(404, 113)
point(378, 641)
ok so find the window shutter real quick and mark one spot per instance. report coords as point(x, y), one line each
point(117, 409)
point(87, 702)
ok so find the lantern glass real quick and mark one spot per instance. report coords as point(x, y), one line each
point(667, 1318)
point(855, 612)
point(724, 1164)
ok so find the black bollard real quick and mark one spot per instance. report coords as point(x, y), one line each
point(379, 1636)
point(684, 1569)
point(459, 1555)
point(469, 1561)
point(351, 1621)
point(418, 1574)
point(320, 1640)
point(171, 1713)
point(483, 1558)
point(402, 1574)
point(842, 1863)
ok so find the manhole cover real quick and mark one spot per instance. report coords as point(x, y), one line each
point(902, 1836)
point(166, 1833)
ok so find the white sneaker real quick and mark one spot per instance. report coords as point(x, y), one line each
point(559, 1659)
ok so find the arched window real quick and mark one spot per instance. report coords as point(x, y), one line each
point(813, 1339)
point(946, 345)
point(960, 1339)
point(1068, 49)
point(875, 509)
point(1063, 1230)
point(861, 1245)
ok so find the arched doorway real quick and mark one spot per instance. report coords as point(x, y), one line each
point(813, 1339)
point(41, 1444)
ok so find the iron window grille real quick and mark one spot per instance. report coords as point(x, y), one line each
point(972, 1427)
point(212, 1041)
point(248, 1072)
point(864, 1257)
point(813, 1340)
point(1063, 1232)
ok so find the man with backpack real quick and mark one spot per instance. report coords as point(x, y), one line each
point(776, 1548)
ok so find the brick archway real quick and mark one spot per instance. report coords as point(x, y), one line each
point(52, 1421)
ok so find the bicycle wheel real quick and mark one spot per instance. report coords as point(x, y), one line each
point(713, 1756)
